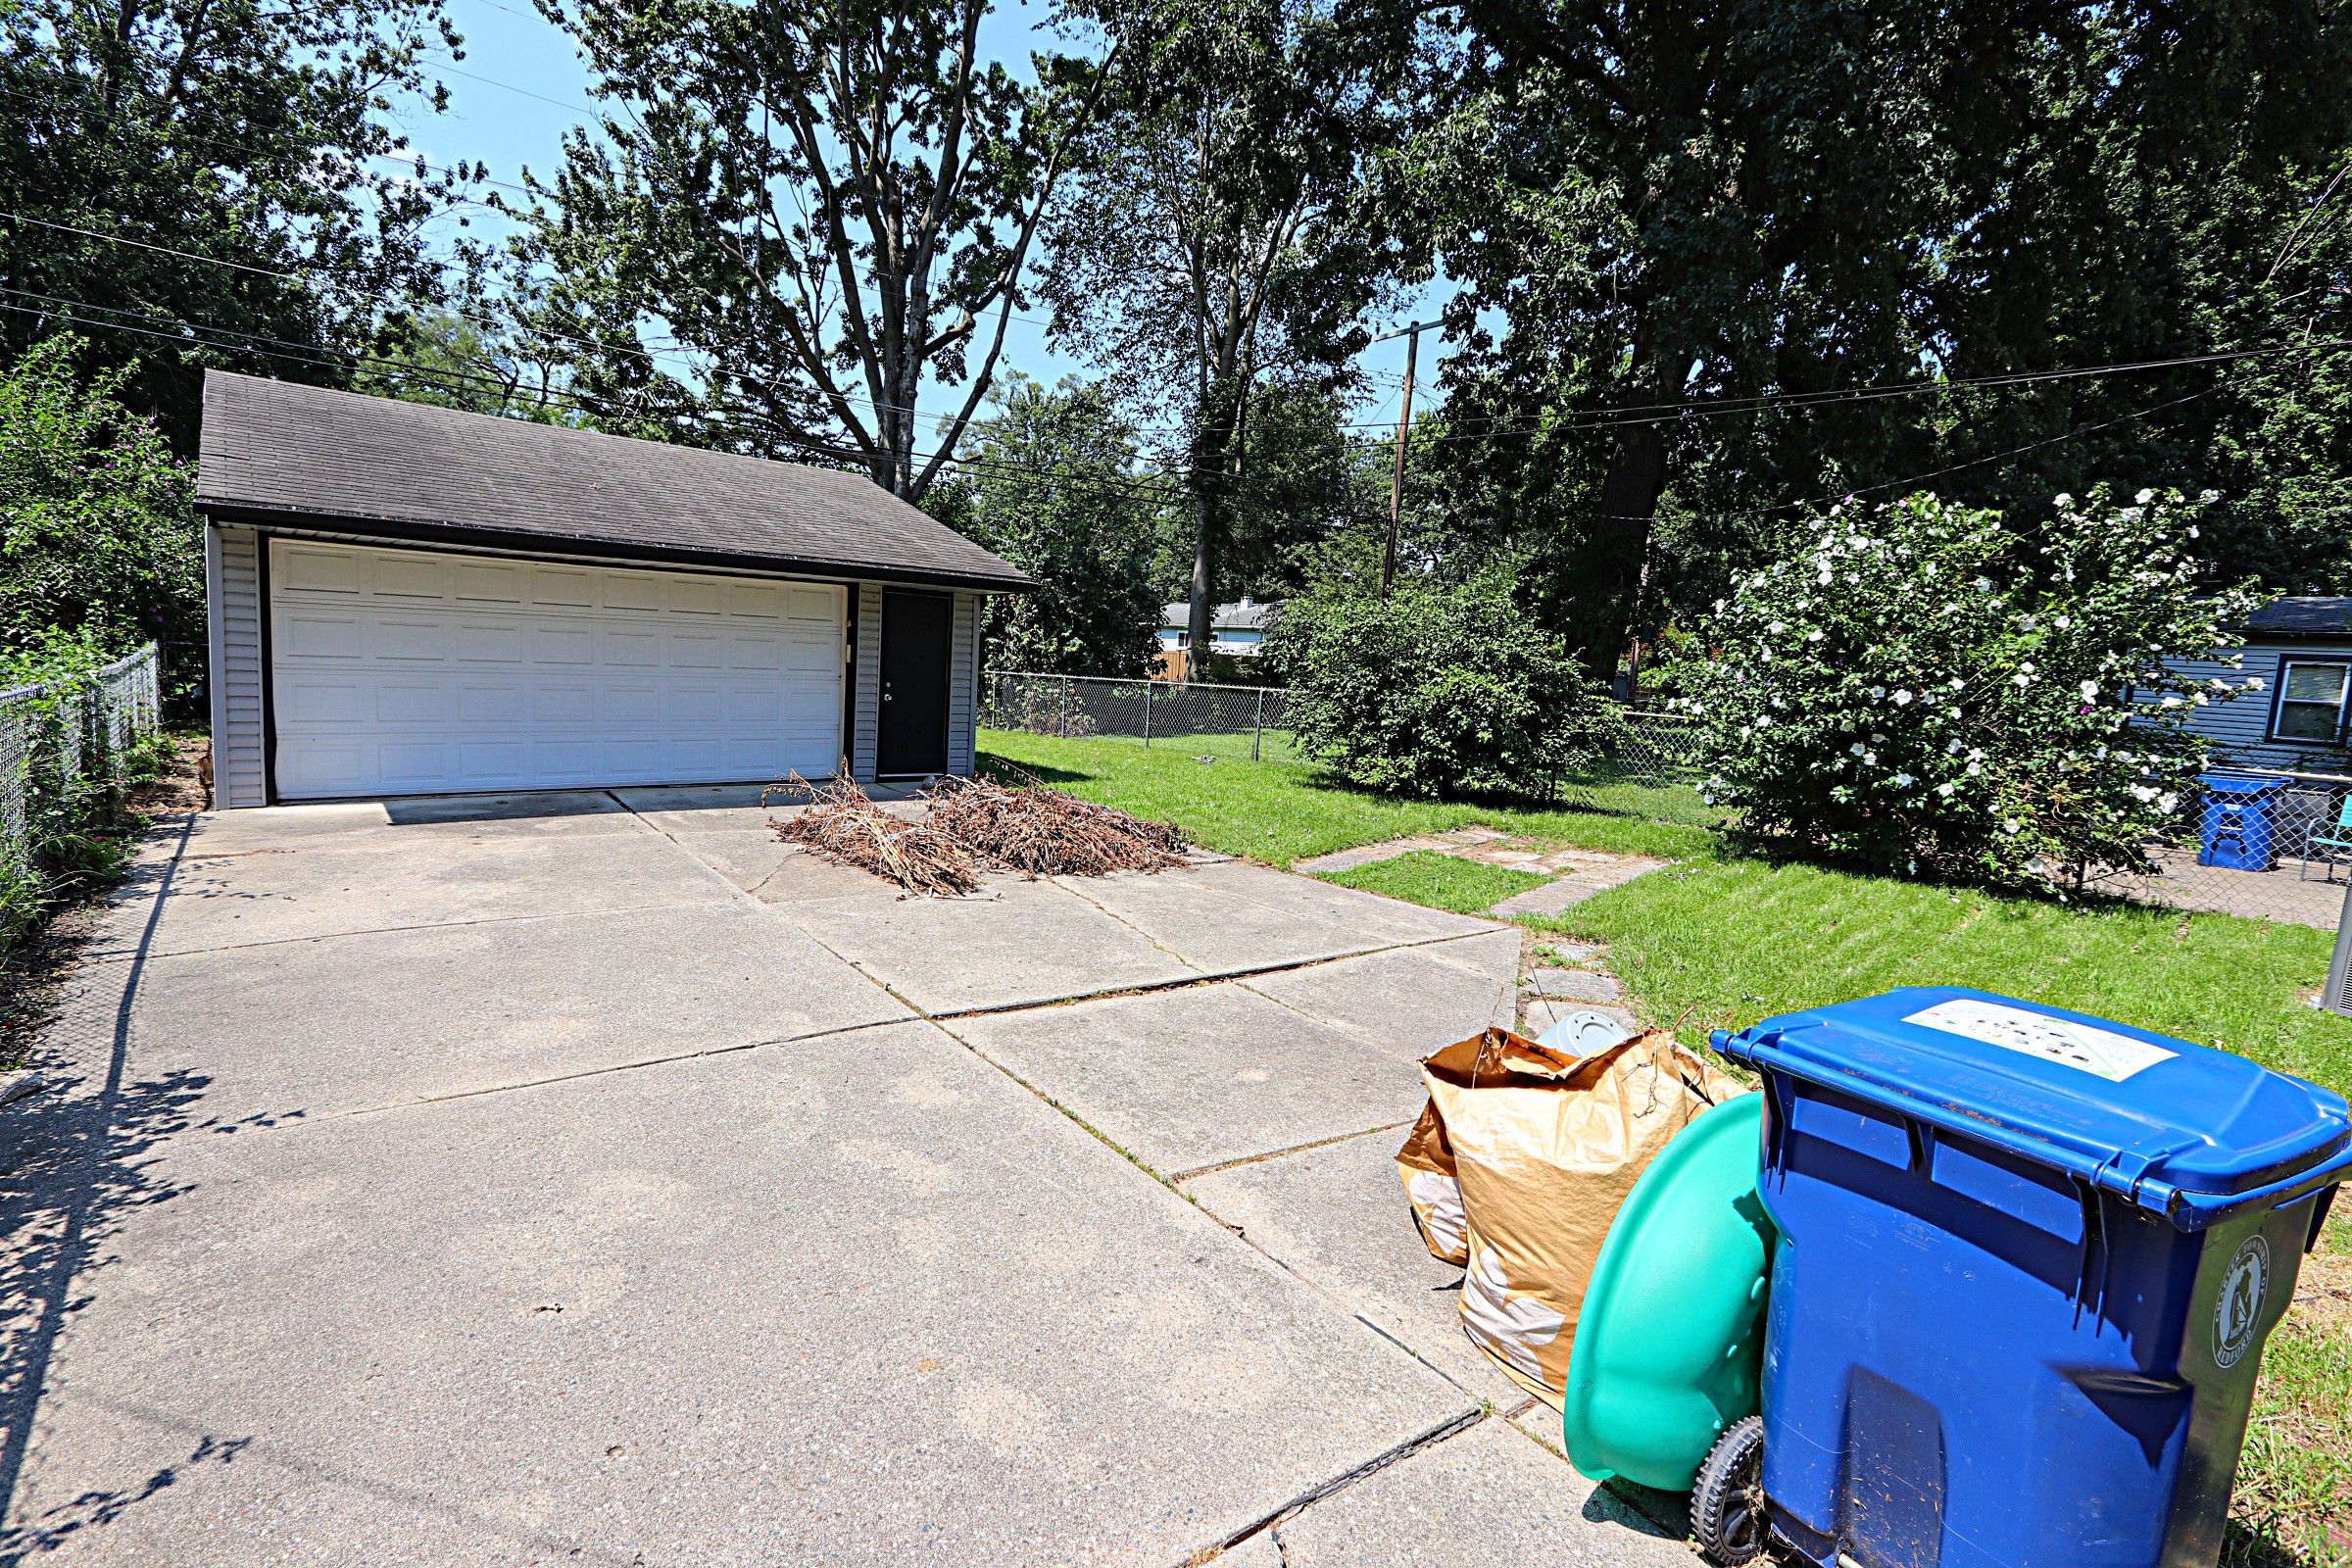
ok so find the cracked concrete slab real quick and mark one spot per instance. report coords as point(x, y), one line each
point(354, 1023)
point(1234, 917)
point(392, 823)
point(1486, 1496)
point(1016, 944)
point(334, 886)
point(1182, 1079)
point(1409, 1001)
point(1337, 1216)
point(859, 1299)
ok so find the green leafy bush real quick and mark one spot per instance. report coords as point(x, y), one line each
point(1437, 690)
point(96, 531)
point(1923, 688)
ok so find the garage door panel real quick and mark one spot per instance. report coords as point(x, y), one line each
point(692, 707)
point(483, 643)
point(487, 583)
point(563, 588)
point(492, 763)
point(319, 569)
point(411, 701)
point(415, 672)
point(629, 705)
point(314, 636)
point(756, 601)
point(500, 703)
point(756, 652)
point(326, 701)
point(697, 651)
point(419, 641)
point(629, 650)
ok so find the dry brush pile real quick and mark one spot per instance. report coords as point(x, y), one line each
point(971, 823)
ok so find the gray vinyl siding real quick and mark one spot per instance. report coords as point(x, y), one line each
point(233, 600)
point(963, 683)
point(2239, 726)
point(866, 719)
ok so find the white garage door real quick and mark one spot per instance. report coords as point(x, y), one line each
point(409, 673)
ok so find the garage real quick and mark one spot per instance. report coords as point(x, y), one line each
point(400, 672)
point(406, 600)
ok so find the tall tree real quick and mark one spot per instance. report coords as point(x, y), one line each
point(1218, 233)
point(194, 182)
point(1050, 481)
point(821, 205)
point(1710, 213)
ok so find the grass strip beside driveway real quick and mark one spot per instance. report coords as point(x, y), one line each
point(1284, 811)
point(1440, 881)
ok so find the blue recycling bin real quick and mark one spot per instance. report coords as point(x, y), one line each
point(2028, 1259)
point(2240, 820)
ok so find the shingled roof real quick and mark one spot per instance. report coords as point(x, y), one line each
point(2302, 618)
point(278, 452)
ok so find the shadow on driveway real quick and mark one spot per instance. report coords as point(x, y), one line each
point(73, 1161)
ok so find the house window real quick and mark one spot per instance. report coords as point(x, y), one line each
point(2311, 702)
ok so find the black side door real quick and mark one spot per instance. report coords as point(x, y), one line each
point(916, 630)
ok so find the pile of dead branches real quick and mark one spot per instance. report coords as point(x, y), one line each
point(843, 825)
point(1044, 832)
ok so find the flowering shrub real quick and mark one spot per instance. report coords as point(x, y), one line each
point(1439, 689)
point(1923, 688)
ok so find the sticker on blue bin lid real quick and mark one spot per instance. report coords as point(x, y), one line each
point(2112, 1057)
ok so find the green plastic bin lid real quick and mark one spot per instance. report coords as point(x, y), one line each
point(1669, 1346)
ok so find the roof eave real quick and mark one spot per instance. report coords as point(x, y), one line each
point(410, 530)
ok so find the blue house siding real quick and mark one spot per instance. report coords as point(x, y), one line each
point(2241, 725)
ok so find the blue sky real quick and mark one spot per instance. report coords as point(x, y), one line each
point(521, 88)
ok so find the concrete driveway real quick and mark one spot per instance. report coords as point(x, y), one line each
point(594, 1179)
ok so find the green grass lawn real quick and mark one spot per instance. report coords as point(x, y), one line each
point(1720, 941)
point(1283, 812)
point(1440, 881)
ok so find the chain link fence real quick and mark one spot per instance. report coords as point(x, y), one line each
point(61, 751)
point(1651, 768)
point(1249, 721)
point(2270, 844)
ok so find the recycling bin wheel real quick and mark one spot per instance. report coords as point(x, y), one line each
point(1726, 1506)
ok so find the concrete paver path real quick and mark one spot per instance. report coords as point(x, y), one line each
point(590, 1179)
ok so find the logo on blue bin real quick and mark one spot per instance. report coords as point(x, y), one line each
point(2238, 1311)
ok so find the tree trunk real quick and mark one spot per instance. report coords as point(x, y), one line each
point(1207, 470)
point(1603, 604)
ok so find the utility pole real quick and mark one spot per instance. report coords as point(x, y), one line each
point(1404, 429)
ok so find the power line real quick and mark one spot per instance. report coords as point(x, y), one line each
point(1935, 473)
point(511, 322)
point(287, 351)
point(1638, 414)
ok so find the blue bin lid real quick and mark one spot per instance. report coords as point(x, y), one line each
point(2240, 784)
point(2196, 1134)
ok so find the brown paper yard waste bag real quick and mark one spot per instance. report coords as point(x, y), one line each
point(1519, 1162)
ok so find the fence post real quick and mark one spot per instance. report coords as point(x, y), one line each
point(1148, 685)
point(1258, 726)
point(1065, 707)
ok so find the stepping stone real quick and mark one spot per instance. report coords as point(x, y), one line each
point(1570, 951)
point(1576, 985)
point(1554, 898)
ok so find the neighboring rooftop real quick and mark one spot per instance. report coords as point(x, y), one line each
point(280, 451)
point(1248, 616)
point(2302, 618)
